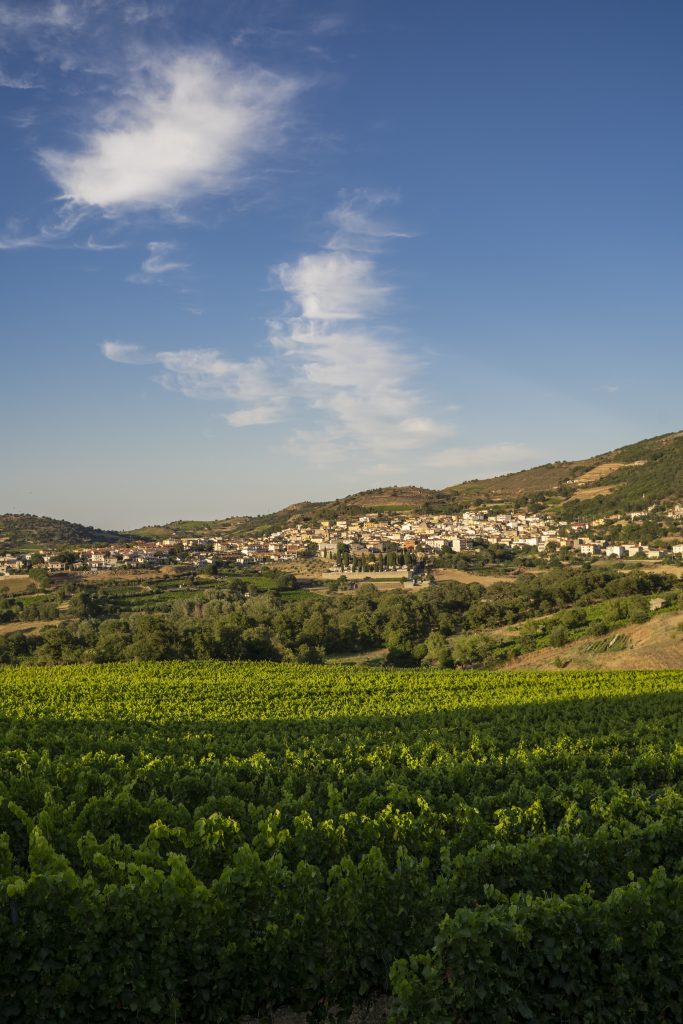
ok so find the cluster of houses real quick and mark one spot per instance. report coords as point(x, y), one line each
point(363, 538)
point(371, 533)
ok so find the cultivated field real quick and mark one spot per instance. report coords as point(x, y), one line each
point(207, 842)
point(15, 584)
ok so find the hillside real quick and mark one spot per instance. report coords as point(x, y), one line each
point(379, 499)
point(620, 481)
point(657, 644)
point(21, 532)
point(623, 480)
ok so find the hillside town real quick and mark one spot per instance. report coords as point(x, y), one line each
point(371, 541)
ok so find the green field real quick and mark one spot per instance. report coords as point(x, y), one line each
point(196, 842)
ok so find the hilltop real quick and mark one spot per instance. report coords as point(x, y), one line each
point(20, 532)
point(622, 480)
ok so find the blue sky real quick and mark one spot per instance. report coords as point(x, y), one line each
point(258, 252)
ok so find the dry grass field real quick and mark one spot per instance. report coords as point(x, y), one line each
point(460, 576)
point(586, 493)
point(15, 584)
point(27, 627)
point(657, 644)
point(603, 470)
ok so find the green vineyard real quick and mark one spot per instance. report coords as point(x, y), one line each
point(207, 842)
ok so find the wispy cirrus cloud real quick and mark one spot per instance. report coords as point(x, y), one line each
point(12, 241)
point(13, 82)
point(158, 263)
point(120, 352)
point(206, 374)
point(24, 17)
point(329, 362)
point(357, 381)
point(180, 125)
point(346, 385)
point(328, 24)
point(94, 246)
point(356, 224)
point(15, 235)
point(331, 286)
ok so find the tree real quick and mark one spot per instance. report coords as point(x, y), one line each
point(471, 650)
point(86, 604)
point(343, 553)
point(152, 639)
point(438, 653)
point(39, 575)
point(558, 636)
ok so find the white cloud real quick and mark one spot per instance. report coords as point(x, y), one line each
point(333, 286)
point(12, 241)
point(119, 352)
point(134, 13)
point(359, 383)
point(9, 82)
point(181, 125)
point(259, 415)
point(96, 246)
point(20, 18)
point(505, 453)
point(47, 235)
point(329, 363)
point(357, 228)
point(328, 24)
point(24, 118)
point(157, 263)
point(205, 373)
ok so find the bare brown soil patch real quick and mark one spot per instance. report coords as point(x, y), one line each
point(672, 570)
point(460, 576)
point(604, 469)
point(15, 584)
point(591, 492)
point(657, 644)
point(36, 626)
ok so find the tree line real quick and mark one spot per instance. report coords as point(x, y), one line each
point(441, 625)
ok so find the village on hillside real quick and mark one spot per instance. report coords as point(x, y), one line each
point(395, 541)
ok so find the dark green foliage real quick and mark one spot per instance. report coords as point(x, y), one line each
point(20, 532)
point(207, 619)
point(573, 959)
point(187, 843)
point(659, 480)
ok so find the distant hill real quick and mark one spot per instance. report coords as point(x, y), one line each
point(379, 499)
point(624, 480)
point(21, 532)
